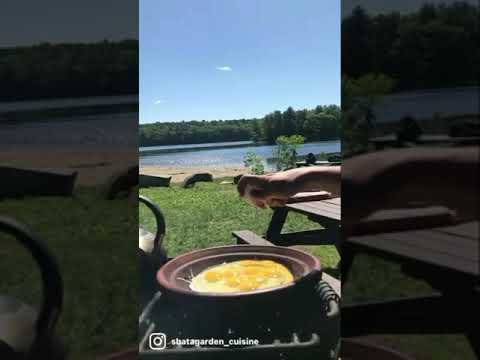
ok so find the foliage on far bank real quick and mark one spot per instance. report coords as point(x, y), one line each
point(433, 47)
point(254, 162)
point(69, 70)
point(359, 95)
point(285, 152)
point(321, 123)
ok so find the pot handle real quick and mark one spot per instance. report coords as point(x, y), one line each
point(159, 218)
point(329, 298)
point(51, 278)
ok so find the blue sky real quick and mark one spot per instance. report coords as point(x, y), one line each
point(225, 59)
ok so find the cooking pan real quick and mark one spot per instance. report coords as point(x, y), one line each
point(173, 276)
point(212, 312)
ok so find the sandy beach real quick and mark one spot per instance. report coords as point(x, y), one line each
point(95, 164)
point(178, 174)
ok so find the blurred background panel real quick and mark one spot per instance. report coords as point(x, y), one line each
point(68, 144)
point(411, 129)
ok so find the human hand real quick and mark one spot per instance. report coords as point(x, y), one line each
point(266, 190)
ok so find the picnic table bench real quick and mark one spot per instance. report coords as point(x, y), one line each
point(381, 142)
point(317, 163)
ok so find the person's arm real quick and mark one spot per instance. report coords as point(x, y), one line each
point(324, 178)
point(411, 178)
point(382, 180)
point(274, 190)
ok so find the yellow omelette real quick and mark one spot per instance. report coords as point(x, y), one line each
point(241, 276)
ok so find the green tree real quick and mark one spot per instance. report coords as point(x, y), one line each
point(301, 118)
point(358, 98)
point(356, 43)
point(254, 162)
point(278, 124)
point(285, 153)
point(436, 46)
point(313, 126)
point(269, 128)
point(289, 120)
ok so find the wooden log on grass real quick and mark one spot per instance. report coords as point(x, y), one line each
point(18, 182)
point(192, 179)
point(237, 178)
point(122, 183)
point(154, 181)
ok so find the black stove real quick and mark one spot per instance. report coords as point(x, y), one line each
point(301, 329)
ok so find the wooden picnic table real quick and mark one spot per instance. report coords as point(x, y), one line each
point(325, 212)
point(318, 207)
point(444, 255)
point(317, 163)
point(391, 140)
point(452, 248)
point(429, 237)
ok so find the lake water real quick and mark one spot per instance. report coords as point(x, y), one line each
point(108, 129)
point(118, 128)
point(223, 156)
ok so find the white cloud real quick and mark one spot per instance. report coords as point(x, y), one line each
point(160, 101)
point(224, 68)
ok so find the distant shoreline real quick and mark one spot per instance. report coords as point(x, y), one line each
point(230, 156)
point(166, 149)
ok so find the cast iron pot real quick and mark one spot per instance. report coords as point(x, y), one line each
point(296, 305)
point(173, 276)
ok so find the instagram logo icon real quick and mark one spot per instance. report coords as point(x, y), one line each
point(157, 341)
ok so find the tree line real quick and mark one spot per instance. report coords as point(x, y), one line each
point(69, 70)
point(436, 46)
point(321, 123)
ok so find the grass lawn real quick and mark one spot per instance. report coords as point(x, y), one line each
point(206, 215)
point(376, 279)
point(92, 240)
